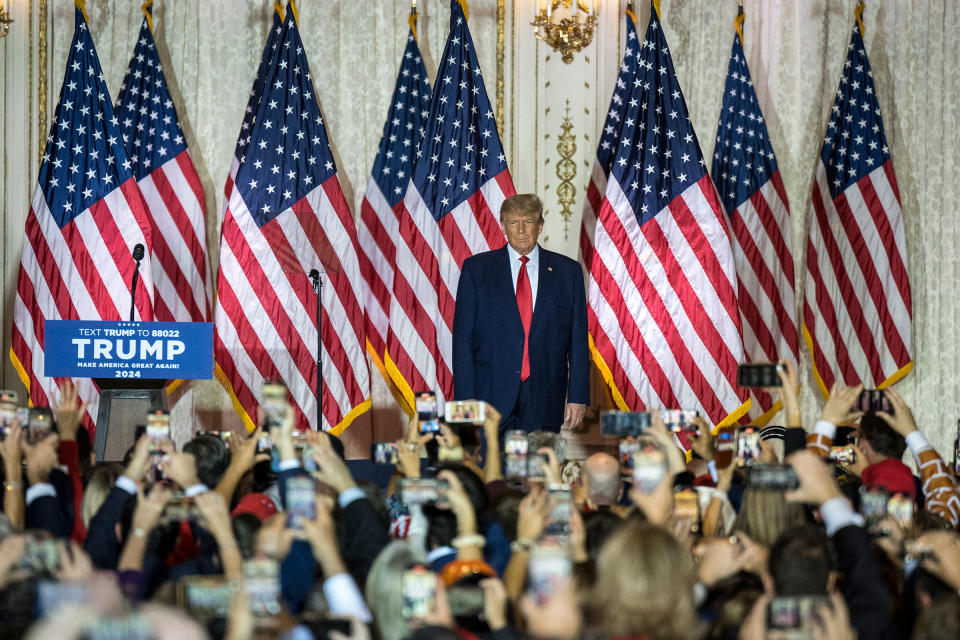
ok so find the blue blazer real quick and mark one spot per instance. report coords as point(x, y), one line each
point(488, 336)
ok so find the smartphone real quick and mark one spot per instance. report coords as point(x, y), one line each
point(384, 452)
point(649, 466)
point(180, 508)
point(560, 506)
point(726, 440)
point(773, 477)
point(628, 448)
point(900, 508)
point(873, 507)
point(843, 456)
point(422, 490)
point(320, 629)
point(418, 592)
point(39, 424)
point(624, 423)
point(54, 595)
point(129, 626)
point(264, 442)
point(680, 420)
point(873, 400)
point(794, 614)
point(535, 462)
point(466, 601)
point(261, 579)
point(515, 447)
point(21, 415)
point(158, 430)
point(471, 411)
point(686, 504)
point(748, 446)
point(204, 597)
point(274, 404)
point(40, 556)
point(549, 570)
point(8, 407)
point(759, 375)
point(426, 405)
point(301, 501)
point(915, 551)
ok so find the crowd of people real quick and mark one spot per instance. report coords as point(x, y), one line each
point(825, 534)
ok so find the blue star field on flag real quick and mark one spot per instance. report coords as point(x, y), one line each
point(743, 156)
point(463, 127)
point(288, 155)
point(659, 155)
point(855, 143)
point(84, 158)
point(151, 131)
point(404, 127)
point(618, 107)
point(256, 92)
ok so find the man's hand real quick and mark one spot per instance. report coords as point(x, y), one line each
point(69, 411)
point(532, 515)
point(558, 618)
point(494, 603)
point(460, 504)
point(945, 561)
point(491, 422)
point(816, 479)
point(902, 419)
point(282, 435)
point(41, 458)
point(702, 441)
point(11, 450)
point(181, 468)
point(573, 416)
point(150, 508)
point(12, 549)
point(322, 536)
point(789, 387)
point(551, 467)
point(837, 410)
point(216, 515)
point(833, 622)
point(140, 460)
point(75, 564)
point(243, 451)
point(331, 469)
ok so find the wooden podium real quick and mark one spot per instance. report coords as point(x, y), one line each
point(124, 403)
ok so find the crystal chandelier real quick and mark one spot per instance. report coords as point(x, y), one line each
point(566, 25)
point(5, 19)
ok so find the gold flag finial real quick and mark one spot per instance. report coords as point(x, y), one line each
point(656, 7)
point(466, 9)
point(412, 20)
point(82, 5)
point(738, 21)
point(145, 7)
point(858, 12)
point(296, 14)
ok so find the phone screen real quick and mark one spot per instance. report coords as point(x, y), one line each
point(419, 593)
point(261, 579)
point(426, 405)
point(549, 570)
point(274, 404)
point(384, 452)
point(758, 375)
point(561, 506)
point(40, 425)
point(301, 501)
point(748, 446)
point(687, 505)
point(470, 411)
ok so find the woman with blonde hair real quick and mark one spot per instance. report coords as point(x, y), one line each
point(644, 587)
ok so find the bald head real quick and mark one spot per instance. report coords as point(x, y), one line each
point(601, 473)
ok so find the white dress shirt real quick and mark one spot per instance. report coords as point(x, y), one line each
point(533, 270)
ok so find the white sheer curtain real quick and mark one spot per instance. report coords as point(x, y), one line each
point(795, 49)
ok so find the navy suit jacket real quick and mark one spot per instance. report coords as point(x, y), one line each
point(488, 336)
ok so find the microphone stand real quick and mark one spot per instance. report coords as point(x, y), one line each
point(317, 284)
point(138, 256)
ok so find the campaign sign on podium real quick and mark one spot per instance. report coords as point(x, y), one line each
point(128, 350)
point(130, 362)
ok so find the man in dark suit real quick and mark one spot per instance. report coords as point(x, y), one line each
point(520, 328)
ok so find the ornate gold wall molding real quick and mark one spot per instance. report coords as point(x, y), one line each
point(566, 170)
point(501, 27)
point(42, 83)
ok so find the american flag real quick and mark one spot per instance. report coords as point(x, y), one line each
point(748, 181)
point(169, 184)
point(253, 102)
point(449, 213)
point(857, 306)
point(379, 227)
point(286, 216)
point(608, 142)
point(662, 297)
point(85, 219)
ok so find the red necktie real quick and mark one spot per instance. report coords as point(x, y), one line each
point(525, 304)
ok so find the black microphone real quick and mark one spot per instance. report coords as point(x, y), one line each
point(137, 256)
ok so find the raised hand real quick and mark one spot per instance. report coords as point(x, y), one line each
point(901, 420)
point(68, 411)
point(838, 409)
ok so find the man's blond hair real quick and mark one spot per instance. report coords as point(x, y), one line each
point(522, 203)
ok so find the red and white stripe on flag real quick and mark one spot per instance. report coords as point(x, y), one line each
point(750, 189)
point(287, 217)
point(857, 303)
point(85, 219)
point(450, 211)
point(662, 305)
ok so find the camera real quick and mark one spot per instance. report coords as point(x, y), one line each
point(759, 375)
point(772, 477)
point(624, 423)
